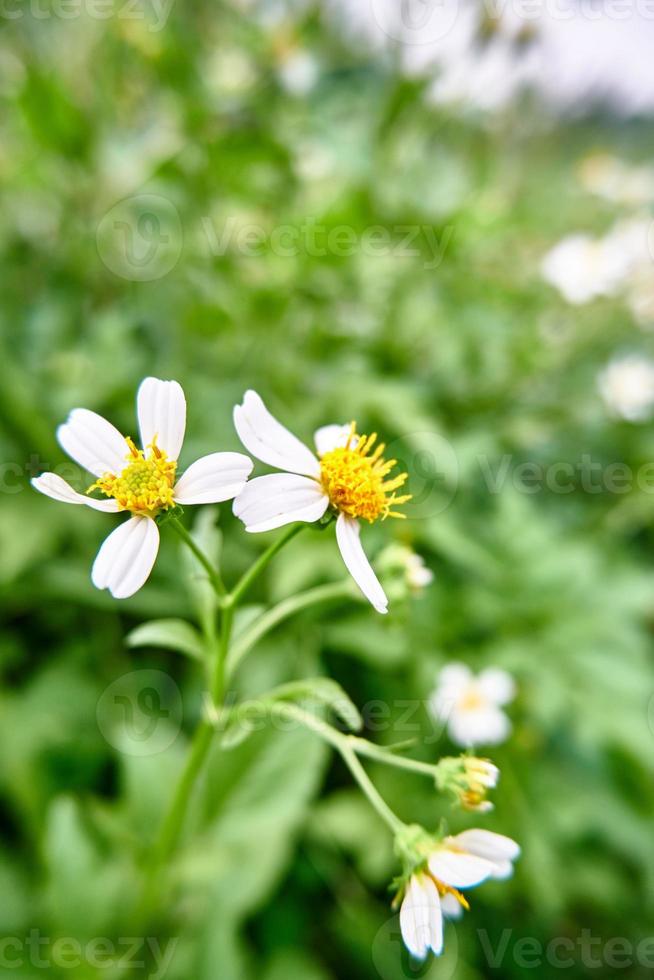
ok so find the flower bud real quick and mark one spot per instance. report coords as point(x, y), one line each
point(403, 571)
point(468, 779)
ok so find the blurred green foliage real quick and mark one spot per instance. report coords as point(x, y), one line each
point(462, 363)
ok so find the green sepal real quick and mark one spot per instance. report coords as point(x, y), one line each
point(172, 514)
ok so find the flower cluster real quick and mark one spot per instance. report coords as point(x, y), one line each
point(348, 481)
point(348, 476)
point(437, 872)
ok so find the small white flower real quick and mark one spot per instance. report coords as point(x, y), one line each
point(347, 474)
point(627, 387)
point(471, 705)
point(143, 485)
point(617, 181)
point(418, 575)
point(463, 861)
point(583, 268)
point(299, 72)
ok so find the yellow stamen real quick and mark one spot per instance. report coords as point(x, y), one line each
point(145, 486)
point(444, 889)
point(355, 480)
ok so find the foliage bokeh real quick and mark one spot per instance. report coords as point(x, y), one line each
point(462, 366)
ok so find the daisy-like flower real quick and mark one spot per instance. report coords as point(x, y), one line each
point(348, 475)
point(141, 481)
point(471, 705)
point(431, 894)
point(627, 387)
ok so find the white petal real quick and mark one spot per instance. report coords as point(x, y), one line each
point(421, 922)
point(161, 410)
point(497, 685)
point(347, 535)
point(270, 501)
point(450, 907)
point(455, 677)
point(454, 681)
point(126, 557)
point(478, 726)
point(486, 844)
point(502, 870)
point(330, 437)
point(93, 442)
point(219, 476)
point(458, 869)
point(54, 486)
point(268, 440)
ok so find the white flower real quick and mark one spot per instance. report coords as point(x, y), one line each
point(617, 181)
point(471, 705)
point(583, 268)
point(627, 387)
point(418, 575)
point(299, 72)
point(143, 485)
point(463, 861)
point(346, 475)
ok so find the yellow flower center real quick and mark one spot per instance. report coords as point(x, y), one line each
point(145, 486)
point(472, 700)
point(354, 478)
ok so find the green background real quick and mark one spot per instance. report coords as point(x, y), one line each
point(469, 369)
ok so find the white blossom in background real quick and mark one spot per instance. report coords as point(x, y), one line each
point(617, 181)
point(471, 705)
point(418, 575)
point(640, 297)
point(627, 387)
point(635, 239)
point(459, 862)
point(143, 485)
point(298, 72)
point(583, 268)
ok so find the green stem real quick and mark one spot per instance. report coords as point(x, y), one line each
point(256, 569)
point(287, 607)
point(342, 744)
point(212, 573)
point(371, 791)
point(363, 747)
point(173, 822)
point(172, 825)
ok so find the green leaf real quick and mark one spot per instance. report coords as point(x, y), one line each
point(171, 634)
point(322, 690)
